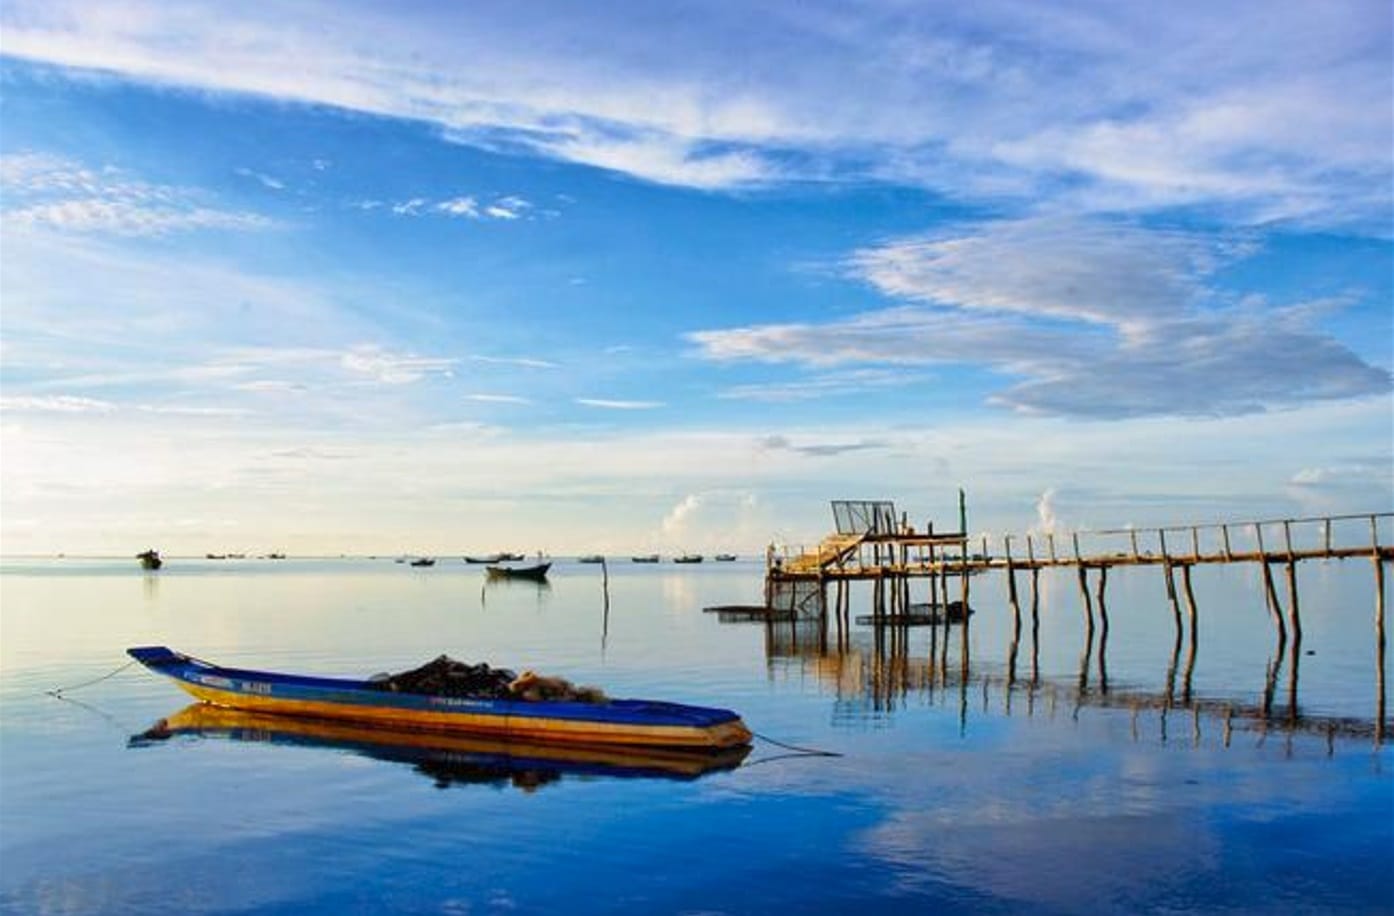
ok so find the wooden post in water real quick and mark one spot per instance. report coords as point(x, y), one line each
point(1294, 615)
point(1011, 592)
point(1035, 625)
point(1084, 597)
point(1191, 613)
point(1170, 584)
point(1084, 588)
point(1103, 632)
point(1379, 632)
point(1270, 593)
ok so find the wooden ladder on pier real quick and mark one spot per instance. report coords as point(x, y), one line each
point(832, 550)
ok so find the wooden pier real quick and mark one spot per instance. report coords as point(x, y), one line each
point(874, 544)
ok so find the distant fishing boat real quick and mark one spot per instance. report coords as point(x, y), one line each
point(688, 558)
point(725, 557)
point(650, 558)
point(215, 556)
point(423, 561)
point(648, 723)
point(150, 559)
point(536, 573)
point(591, 558)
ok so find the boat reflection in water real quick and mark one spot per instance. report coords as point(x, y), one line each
point(446, 759)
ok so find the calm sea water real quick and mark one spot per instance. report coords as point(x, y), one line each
point(1068, 788)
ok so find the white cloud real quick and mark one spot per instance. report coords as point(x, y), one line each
point(1092, 319)
point(51, 192)
point(266, 181)
point(460, 206)
point(827, 385)
point(393, 368)
point(1264, 112)
point(62, 403)
point(609, 404)
point(524, 362)
point(498, 398)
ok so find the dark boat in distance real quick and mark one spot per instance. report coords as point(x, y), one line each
point(536, 573)
point(649, 723)
point(591, 558)
point(449, 759)
point(725, 558)
point(649, 558)
point(150, 559)
point(688, 558)
point(423, 561)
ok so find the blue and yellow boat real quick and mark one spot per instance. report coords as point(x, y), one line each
point(640, 723)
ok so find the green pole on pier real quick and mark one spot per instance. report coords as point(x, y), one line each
point(962, 513)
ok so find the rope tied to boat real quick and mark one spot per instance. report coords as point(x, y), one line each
point(59, 691)
point(806, 751)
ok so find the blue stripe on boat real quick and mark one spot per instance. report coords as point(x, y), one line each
point(360, 693)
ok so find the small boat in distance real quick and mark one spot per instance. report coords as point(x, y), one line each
point(537, 573)
point(649, 723)
point(150, 559)
point(649, 558)
point(500, 557)
point(688, 558)
point(591, 558)
point(725, 558)
point(423, 561)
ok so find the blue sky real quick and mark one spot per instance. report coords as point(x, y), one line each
point(377, 277)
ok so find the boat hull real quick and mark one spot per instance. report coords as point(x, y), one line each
point(437, 750)
point(618, 722)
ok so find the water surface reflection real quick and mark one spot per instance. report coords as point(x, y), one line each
point(448, 760)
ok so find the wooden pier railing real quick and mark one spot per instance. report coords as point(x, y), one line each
point(800, 580)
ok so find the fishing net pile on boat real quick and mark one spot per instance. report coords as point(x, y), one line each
point(447, 677)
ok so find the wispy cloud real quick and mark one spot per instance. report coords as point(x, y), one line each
point(1260, 113)
point(261, 178)
point(464, 206)
point(824, 385)
point(73, 404)
point(498, 398)
point(523, 362)
point(395, 368)
point(1104, 320)
point(777, 443)
point(52, 192)
point(608, 404)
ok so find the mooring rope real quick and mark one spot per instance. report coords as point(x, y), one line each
point(59, 691)
point(809, 751)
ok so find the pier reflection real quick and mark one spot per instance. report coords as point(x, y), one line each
point(873, 672)
point(447, 760)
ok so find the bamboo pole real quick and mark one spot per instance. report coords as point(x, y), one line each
point(1294, 614)
point(1103, 632)
point(1035, 626)
point(1084, 596)
point(1270, 593)
point(1379, 631)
